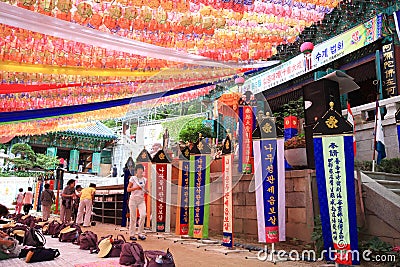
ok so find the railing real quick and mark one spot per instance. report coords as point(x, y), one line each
point(362, 114)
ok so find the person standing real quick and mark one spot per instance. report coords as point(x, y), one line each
point(75, 206)
point(66, 203)
point(85, 205)
point(20, 201)
point(114, 171)
point(28, 198)
point(137, 187)
point(47, 198)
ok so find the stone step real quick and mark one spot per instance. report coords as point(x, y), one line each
point(389, 184)
point(397, 191)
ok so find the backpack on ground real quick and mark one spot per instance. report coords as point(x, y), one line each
point(18, 232)
point(116, 246)
point(28, 220)
point(34, 237)
point(157, 258)
point(41, 254)
point(70, 233)
point(51, 228)
point(132, 254)
point(57, 229)
point(87, 241)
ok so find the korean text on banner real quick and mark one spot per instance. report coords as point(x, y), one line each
point(336, 192)
point(199, 196)
point(183, 198)
point(227, 239)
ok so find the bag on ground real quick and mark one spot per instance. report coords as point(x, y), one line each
point(87, 241)
point(132, 254)
point(57, 229)
point(109, 247)
point(41, 254)
point(69, 234)
point(34, 237)
point(157, 258)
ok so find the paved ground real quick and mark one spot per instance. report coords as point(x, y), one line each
point(184, 254)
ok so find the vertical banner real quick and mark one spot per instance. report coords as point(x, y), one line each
point(227, 160)
point(41, 188)
point(246, 122)
point(145, 159)
point(199, 196)
point(182, 213)
point(52, 152)
point(73, 160)
point(269, 182)
point(398, 126)
point(128, 171)
point(334, 163)
point(290, 130)
point(96, 162)
point(161, 186)
point(148, 199)
point(389, 81)
point(37, 192)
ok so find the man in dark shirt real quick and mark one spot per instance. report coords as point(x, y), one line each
point(66, 203)
point(47, 198)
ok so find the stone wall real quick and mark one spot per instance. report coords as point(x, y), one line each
point(299, 207)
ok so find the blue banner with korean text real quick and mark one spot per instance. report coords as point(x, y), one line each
point(334, 163)
point(267, 190)
point(398, 134)
point(182, 220)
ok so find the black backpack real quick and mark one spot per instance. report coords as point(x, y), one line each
point(34, 237)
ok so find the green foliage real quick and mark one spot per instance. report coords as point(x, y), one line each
point(191, 129)
point(175, 126)
point(20, 174)
point(386, 165)
point(316, 235)
point(376, 245)
point(3, 146)
point(46, 162)
point(27, 159)
point(110, 123)
point(24, 150)
point(390, 165)
point(293, 108)
point(22, 164)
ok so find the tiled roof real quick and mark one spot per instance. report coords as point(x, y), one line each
point(95, 130)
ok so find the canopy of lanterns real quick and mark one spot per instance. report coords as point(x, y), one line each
point(39, 71)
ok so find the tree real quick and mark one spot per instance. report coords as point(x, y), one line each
point(190, 131)
point(27, 156)
point(46, 162)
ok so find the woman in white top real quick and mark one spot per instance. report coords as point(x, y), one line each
point(137, 187)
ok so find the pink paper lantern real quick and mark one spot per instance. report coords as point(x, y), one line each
point(239, 80)
point(307, 47)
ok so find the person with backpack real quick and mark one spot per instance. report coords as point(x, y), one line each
point(66, 203)
point(85, 205)
point(28, 200)
point(137, 188)
point(19, 199)
point(47, 198)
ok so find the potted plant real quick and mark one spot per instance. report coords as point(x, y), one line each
point(295, 151)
